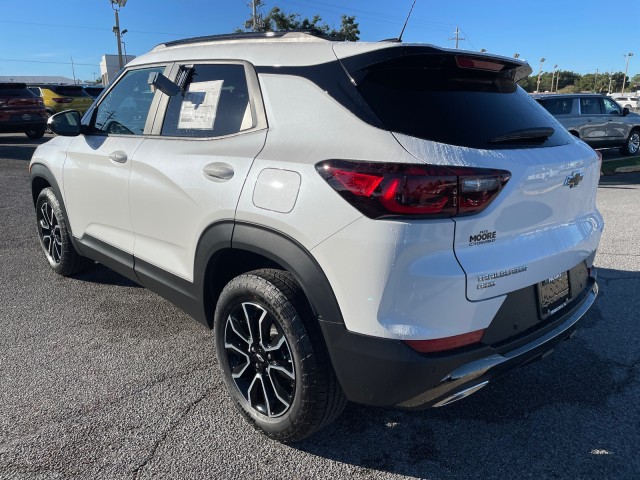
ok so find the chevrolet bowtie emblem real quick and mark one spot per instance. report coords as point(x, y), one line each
point(574, 179)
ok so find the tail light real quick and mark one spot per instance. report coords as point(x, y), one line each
point(429, 191)
point(62, 100)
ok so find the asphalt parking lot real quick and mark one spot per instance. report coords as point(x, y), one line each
point(100, 378)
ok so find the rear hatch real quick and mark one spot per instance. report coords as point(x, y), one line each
point(71, 97)
point(464, 109)
point(19, 105)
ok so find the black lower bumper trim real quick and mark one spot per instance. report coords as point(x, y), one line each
point(383, 372)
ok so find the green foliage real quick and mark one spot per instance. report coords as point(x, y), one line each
point(277, 20)
point(571, 82)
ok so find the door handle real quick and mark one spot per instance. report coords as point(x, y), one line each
point(118, 156)
point(218, 172)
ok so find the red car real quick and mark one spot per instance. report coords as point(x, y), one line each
point(21, 111)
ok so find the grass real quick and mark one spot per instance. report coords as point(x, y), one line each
point(609, 167)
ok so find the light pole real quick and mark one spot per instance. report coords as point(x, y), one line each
point(117, 5)
point(124, 46)
point(539, 74)
point(610, 80)
point(626, 68)
point(595, 82)
point(557, 80)
point(553, 76)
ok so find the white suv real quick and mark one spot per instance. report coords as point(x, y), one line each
point(385, 223)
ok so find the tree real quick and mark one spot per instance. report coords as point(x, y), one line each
point(277, 20)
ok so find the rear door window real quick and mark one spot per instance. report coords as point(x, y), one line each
point(214, 102)
point(435, 98)
point(590, 106)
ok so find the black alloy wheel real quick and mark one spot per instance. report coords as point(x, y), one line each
point(260, 359)
point(273, 358)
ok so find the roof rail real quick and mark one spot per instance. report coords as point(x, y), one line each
point(251, 36)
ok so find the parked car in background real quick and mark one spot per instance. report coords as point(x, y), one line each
point(58, 98)
point(328, 210)
point(93, 91)
point(596, 119)
point(21, 111)
point(627, 101)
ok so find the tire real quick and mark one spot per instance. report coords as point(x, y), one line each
point(54, 236)
point(632, 145)
point(35, 133)
point(273, 357)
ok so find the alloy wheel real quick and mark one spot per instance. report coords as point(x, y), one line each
point(50, 232)
point(260, 359)
point(634, 143)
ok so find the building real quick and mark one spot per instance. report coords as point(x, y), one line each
point(109, 66)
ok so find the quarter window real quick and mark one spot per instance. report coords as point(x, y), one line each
point(124, 110)
point(213, 103)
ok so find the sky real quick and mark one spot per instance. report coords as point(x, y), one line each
point(43, 37)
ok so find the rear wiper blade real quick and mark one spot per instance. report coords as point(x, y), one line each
point(526, 136)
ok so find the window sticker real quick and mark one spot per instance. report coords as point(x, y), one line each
point(198, 110)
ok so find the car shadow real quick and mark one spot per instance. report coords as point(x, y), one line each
point(19, 146)
point(103, 275)
point(483, 431)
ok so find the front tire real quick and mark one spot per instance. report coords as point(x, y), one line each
point(632, 145)
point(273, 358)
point(54, 236)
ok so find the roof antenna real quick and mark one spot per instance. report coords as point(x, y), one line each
point(406, 21)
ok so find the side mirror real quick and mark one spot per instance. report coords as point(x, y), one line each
point(66, 124)
point(625, 111)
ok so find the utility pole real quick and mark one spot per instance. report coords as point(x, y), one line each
point(595, 82)
point(553, 76)
point(73, 70)
point(117, 5)
point(457, 38)
point(557, 80)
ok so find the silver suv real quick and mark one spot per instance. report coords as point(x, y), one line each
point(326, 209)
point(596, 119)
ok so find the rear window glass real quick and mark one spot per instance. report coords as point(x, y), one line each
point(16, 90)
point(430, 97)
point(69, 90)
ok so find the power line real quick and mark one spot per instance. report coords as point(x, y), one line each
point(43, 61)
point(79, 27)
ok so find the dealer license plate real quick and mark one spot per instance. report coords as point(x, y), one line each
point(553, 294)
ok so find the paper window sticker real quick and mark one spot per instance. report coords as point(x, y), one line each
point(200, 104)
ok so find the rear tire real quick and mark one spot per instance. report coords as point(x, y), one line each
point(35, 133)
point(273, 358)
point(632, 145)
point(54, 235)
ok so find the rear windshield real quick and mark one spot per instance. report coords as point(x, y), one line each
point(15, 90)
point(429, 96)
point(68, 90)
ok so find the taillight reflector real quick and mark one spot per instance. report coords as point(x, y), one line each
point(447, 343)
point(388, 189)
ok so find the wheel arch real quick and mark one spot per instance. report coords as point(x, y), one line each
point(41, 177)
point(226, 250)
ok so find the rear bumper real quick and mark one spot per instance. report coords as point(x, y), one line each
point(385, 372)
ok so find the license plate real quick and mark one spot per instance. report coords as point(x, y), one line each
point(553, 294)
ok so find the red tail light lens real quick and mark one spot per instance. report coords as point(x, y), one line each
point(62, 100)
point(390, 190)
